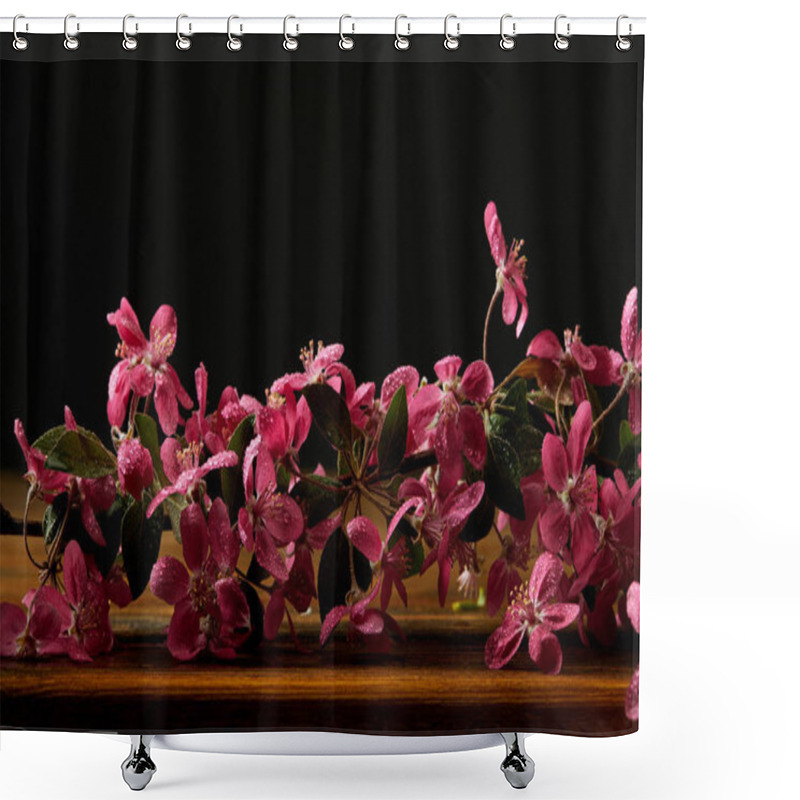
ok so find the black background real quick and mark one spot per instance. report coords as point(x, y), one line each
point(274, 199)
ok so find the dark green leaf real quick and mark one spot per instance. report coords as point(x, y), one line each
point(231, 477)
point(256, 617)
point(528, 444)
point(333, 575)
point(47, 441)
point(503, 477)
point(363, 570)
point(141, 541)
point(392, 444)
point(480, 521)
point(53, 518)
point(318, 497)
point(255, 572)
point(148, 435)
point(626, 435)
point(330, 413)
point(81, 453)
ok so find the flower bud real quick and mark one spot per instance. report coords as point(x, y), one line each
point(134, 467)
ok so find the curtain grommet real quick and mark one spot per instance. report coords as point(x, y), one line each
point(128, 42)
point(452, 42)
point(346, 43)
point(70, 42)
point(623, 43)
point(234, 43)
point(561, 43)
point(290, 43)
point(20, 43)
point(182, 42)
point(507, 42)
point(401, 42)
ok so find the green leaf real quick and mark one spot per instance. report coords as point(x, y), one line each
point(630, 447)
point(318, 497)
point(334, 578)
point(81, 453)
point(392, 444)
point(53, 518)
point(148, 435)
point(415, 552)
point(141, 541)
point(626, 435)
point(528, 445)
point(480, 521)
point(503, 476)
point(330, 414)
point(48, 440)
point(231, 477)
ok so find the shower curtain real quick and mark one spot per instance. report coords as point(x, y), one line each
point(321, 385)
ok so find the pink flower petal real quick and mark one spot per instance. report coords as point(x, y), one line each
point(447, 445)
point(554, 526)
point(496, 586)
point(283, 519)
point(559, 615)
point(13, 620)
point(523, 316)
point(630, 324)
point(510, 303)
point(141, 379)
point(545, 579)
point(119, 388)
point(164, 330)
point(91, 524)
point(585, 538)
point(578, 438)
point(225, 544)
point(583, 355)
point(403, 376)
point(504, 642)
point(544, 650)
point(166, 404)
point(232, 605)
point(364, 535)
point(330, 622)
point(462, 501)
point(370, 624)
point(127, 325)
point(447, 368)
point(632, 604)
point(635, 409)
point(554, 463)
point(477, 382)
point(473, 435)
point(273, 615)
point(169, 580)
point(184, 637)
point(170, 449)
point(546, 345)
point(269, 556)
point(76, 576)
point(194, 537)
point(494, 233)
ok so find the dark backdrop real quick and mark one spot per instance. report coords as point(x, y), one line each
point(275, 198)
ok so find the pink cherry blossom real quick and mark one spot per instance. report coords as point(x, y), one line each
point(270, 520)
point(510, 270)
point(210, 607)
point(455, 428)
point(573, 502)
point(134, 467)
point(532, 612)
point(631, 370)
point(440, 518)
point(363, 622)
point(36, 629)
point(182, 466)
point(47, 483)
point(320, 363)
point(283, 425)
point(363, 533)
point(143, 366)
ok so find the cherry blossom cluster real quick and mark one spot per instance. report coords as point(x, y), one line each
point(424, 474)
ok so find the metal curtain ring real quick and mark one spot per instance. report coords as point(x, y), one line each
point(289, 42)
point(561, 42)
point(20, 42)
point(346, 42)
point(452, 42)
point(70, 42)
point(182, 42)
point(623, 43)
point(234, 43)
point(507, 42)
point(128, 42)
point(401, 42)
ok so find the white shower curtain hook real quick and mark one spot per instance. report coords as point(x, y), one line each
point(561, 42)
point(234, 43)
point(401, 42)
point(129, 42)
point(623, 43)
point(452, 42)
point(507, 42)
point(289, 42)
point(20, 42)
point(71, 42)
point(346, 42)
point(182, 42)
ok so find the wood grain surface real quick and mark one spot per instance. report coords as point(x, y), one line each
point(434, 683)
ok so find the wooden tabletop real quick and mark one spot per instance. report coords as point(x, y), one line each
point(435, 683)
